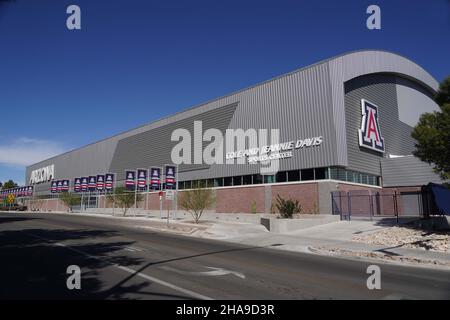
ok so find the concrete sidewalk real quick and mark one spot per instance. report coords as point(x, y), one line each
point(336, 239)
point(329, 239)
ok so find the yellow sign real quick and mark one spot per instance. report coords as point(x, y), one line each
point(10, 198)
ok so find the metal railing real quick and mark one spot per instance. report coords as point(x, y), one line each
point(363, 204)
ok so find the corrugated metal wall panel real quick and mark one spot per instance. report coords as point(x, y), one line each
point(298, 105)
point(407, 171)
point(153, 147)
point(379, 89)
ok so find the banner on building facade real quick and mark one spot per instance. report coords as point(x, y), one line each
point(92, 184)
point(84, 184)
point(100, 182)
point(170, 177)
point(53, 186)
point(155, 178)
point(65, 186)
point(109, 181)
point(77, 184)
point(59, 185)
point(142, 179)
point(130, 179)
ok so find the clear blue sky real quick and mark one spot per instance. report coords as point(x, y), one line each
point(136, 61)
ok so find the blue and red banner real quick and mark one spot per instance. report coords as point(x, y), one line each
point(65, 185)
point(109, 181)
point(100, 182)
point(142, 179)
point(77, 184)
point(84, 184)
point(92, 185)
point(155, 178)
point(130, 179)
point(170, 177)
point(53, 187)
point(59, 185)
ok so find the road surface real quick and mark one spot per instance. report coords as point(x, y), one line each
point(120, 262)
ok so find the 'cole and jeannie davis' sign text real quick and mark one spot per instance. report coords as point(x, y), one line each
point(274, 151)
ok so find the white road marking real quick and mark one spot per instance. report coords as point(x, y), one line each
point(135, 249)
point(164, 283)
point(132, 271)
point(396, 296)
point(131, 249)
point(213, 272)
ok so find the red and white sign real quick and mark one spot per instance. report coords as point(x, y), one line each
point(369, 134)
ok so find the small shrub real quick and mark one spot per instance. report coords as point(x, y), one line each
point(253, 207)
point(315, 208)
point(287, 207)
point(124, 198)
point(272, 208)
point(70, 200)
point(196, 200)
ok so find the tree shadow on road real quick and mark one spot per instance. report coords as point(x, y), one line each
point(4, 219)
point(34, 263)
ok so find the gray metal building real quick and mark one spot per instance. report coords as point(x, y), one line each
point(322, 100)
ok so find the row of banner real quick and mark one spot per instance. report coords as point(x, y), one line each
point(26, 191)
point(100, 182)
point(140, 179)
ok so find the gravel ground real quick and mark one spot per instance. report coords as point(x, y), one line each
point(379, 256)
point(408, 238)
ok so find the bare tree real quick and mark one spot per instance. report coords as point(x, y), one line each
point(196, 200)
point(124, 199)
point(70, 200)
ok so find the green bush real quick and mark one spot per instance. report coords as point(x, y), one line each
point(287, 207)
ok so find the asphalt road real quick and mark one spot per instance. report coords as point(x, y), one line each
point(120, 262)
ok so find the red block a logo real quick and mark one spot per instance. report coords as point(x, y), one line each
point(369, 134)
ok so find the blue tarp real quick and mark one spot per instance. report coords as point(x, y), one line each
point(441, 197)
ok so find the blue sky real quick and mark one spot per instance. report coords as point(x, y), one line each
point(136, 61)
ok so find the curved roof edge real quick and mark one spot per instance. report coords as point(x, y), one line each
point(359, 63)
point(362, 62)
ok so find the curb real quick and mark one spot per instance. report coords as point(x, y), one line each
point(380, 258)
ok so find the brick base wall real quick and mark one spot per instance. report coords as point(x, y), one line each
point(239, 200)
point(306, 194)
point(314, 197)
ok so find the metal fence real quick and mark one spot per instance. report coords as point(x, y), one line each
point(364, 204)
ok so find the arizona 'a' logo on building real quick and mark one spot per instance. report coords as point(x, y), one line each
point(369, 134)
